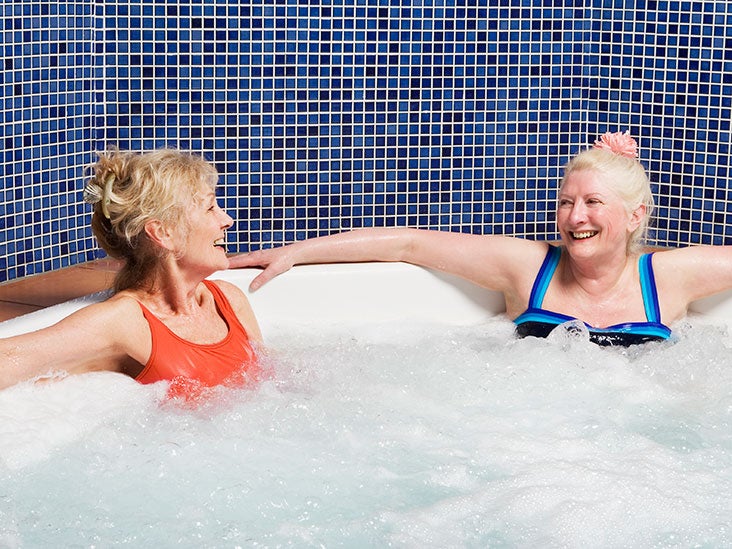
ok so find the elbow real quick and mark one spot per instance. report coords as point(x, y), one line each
point(402, 245)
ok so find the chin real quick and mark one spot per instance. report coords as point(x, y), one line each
point(581, 246)
point(214, 266)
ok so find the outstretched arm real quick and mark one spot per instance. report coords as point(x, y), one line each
point(101, 336)
point(686, 274)
point(496, 262)
point(354, 246)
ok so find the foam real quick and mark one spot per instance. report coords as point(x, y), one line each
point(408, 434)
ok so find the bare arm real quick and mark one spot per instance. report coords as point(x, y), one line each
point(99, 337)
point(500, 263)
point(687, 274)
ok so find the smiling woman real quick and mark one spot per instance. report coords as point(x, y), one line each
point(592, 182)
point(596, 277)
point(157, 212)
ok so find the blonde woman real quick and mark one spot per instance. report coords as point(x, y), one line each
point(157, 212)
point(596, 278)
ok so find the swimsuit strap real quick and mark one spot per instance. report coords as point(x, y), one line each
point(648, 288)
point(544, 276)
point(645, 269)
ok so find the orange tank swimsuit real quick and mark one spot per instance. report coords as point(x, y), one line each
point(191, 366)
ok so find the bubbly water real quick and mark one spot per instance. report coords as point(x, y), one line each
point(385, 436)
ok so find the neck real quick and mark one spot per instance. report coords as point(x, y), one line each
point(173, 291)
point(597, 276)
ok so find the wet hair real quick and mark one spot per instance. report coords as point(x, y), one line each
point(130, 189)
point(625, 176)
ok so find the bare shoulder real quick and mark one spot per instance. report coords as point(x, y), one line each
point(100, 336)
point(233, 293)
point(237, 298)
point(117, 308)
point(112, 322)
point(695, 271)
point(517, 260)
point(241, 306)
point(497, 262)
point(692, 257)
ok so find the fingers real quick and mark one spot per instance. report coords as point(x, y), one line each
point(266, 275)
point(251, 259)
point(273, 261)
point(260, 280)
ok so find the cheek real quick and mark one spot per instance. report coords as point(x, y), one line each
point(184, 228)
point(619, 220)
point(562, 214)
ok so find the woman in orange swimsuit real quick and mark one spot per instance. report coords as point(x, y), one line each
point(158, 213)
point(597, 274)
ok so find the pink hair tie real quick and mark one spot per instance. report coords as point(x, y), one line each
point(618, 143)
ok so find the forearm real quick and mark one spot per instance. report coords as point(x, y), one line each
point(29, 355)
point(377, 244)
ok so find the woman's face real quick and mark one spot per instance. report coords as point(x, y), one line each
point(205, 238)
point(591, 217)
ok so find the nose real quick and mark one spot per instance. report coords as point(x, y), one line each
point(226, 220)
point(578, 213)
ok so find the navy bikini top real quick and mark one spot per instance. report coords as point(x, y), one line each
point(538, 322)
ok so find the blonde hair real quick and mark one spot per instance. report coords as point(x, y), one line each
point(130, 189)
point(624, 175)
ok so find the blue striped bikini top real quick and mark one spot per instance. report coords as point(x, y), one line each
point(538, 322)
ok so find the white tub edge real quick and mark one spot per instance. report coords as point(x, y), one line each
point(357, 293)
point(348, 293)
point(366, 293)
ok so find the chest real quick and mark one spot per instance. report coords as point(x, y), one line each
point(597, 309)
point(203, 328)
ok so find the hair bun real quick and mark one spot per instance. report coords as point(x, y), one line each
point(619, 143)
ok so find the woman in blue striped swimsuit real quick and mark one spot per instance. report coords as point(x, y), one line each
point(597, 273)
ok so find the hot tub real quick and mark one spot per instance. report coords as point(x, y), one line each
point(399, 411)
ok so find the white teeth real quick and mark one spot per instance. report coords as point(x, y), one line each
point(584, 234)
point(220, 242)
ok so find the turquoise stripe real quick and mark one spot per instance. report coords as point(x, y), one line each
point(648, 288)
point(546, 272)
point(555, 319)
point(536, 315)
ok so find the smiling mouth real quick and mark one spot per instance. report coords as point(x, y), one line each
point(220, 243)
point(582, 235)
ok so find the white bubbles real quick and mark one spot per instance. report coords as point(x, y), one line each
point(423, 436)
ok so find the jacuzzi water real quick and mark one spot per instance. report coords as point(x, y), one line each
point(391, 434)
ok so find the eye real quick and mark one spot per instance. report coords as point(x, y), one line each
point(565, 202)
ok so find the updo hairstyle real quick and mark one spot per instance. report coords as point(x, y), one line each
point(130, 189)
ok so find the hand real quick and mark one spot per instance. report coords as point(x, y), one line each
point(275, 261)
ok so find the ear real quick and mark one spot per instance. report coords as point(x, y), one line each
point(160, 234)
point(636, 217)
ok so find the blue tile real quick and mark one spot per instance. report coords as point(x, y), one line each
point(388, 99)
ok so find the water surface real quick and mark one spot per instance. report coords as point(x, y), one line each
point(423, 436)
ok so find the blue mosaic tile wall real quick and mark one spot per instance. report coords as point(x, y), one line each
point(665, 72)
point(331, 115)
point(46, 131)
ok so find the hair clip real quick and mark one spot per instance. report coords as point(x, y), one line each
point(93, 193)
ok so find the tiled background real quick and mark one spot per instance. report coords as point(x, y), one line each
point(328, 115)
